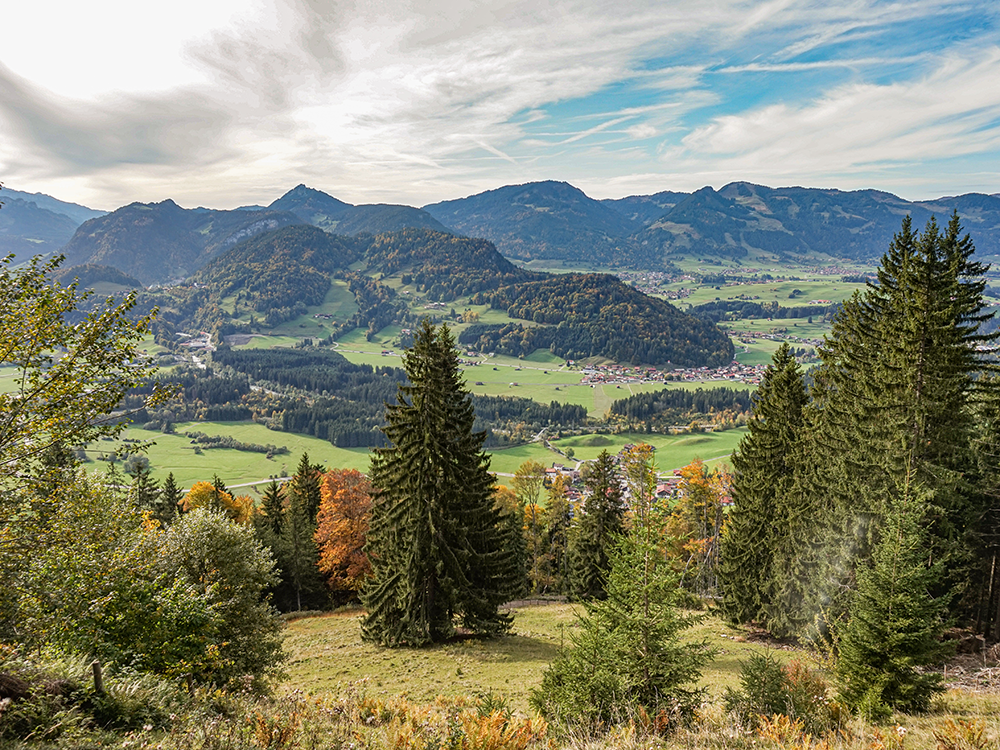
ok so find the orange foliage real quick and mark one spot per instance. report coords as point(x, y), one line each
point(204, 495)
point(342, 527)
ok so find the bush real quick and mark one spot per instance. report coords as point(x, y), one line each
point(769, 688)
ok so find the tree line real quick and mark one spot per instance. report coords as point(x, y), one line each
point(865, 507)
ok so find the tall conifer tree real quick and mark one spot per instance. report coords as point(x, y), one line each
point(598, 529)
point(892, 407)
point(763, 509)
point(896, 621)
point(438, 553)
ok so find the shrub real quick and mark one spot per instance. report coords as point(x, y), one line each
point(768, 688)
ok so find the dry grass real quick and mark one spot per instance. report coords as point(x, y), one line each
point(328, 657)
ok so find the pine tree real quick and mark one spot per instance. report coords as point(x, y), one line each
point(557, 517)
point(895, 620)
point(892, 405)
point(304, 487)
point(628, 655)
point(599, 526)
point(273, 505)
point(512, 525)
point(438, 555)
point(145, 490)
point(762, 514)
point(169, 501)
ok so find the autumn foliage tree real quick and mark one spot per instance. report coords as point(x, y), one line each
point(212, 497)
point(342, 529)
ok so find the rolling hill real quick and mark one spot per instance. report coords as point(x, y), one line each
point(576, 316)
point(162, 242)
point(332, 215)
point(544, 220)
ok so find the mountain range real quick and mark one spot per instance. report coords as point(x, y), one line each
point(548, 221)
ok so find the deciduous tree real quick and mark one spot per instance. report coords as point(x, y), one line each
point(342, 529)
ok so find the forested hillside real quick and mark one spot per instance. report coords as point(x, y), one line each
point(579, 316)
point(550, 220)
point(88, 274)
point(279, 274)
point(272, 271)
point(332, 215)
point(160, 242)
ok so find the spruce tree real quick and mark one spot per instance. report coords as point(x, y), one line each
point(272, 504)
point(598, 528)
point(169, 500)
point(762, 514)
point(892, 406)
point(293, 536)
point(629, 654)
point(895, 620)
point(305, 487)
point(145, 490)
point(439, 557)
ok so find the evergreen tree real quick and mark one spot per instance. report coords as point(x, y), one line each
point(892, 406)
point(896, 621)
point(219, 491)
point(557, 517)
point(761, 518)
point(438, 554)
point(305, 487)
point(168, 504)
point(628, 655)
point(297, 556)
point(272, 503)
point(512, 524)
point(598, 527)
point(145, 490)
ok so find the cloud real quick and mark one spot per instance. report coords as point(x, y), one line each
point(953, 111)
point(419, 100)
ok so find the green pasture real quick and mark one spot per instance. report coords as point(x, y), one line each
point(505, 461)
point(175, 453)
point(326, 655)
point(672, 451)
point(9, 382)
point(338, 303)
point(817, 288)
point(261, 341)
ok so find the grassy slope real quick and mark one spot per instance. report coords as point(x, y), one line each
point(326, 653)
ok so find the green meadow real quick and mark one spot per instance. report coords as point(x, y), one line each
point(672, 451)
point(176, 453)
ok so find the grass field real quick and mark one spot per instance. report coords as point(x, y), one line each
point(176, 453)
point(672, 451)
point(9, 382)
point(327, 653)
point(815, 288)
point(326, 656)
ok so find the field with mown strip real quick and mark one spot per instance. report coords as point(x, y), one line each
point(672, 451)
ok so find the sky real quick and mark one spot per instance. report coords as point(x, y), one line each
point(225, 103)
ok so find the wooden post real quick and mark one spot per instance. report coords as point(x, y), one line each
point(98, 677)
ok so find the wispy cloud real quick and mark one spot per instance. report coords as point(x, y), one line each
point(423, 99)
